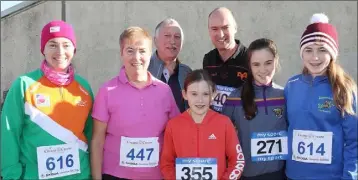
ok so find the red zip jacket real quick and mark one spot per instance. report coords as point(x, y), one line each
point(215, 137)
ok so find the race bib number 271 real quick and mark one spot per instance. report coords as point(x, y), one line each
point(269, 146)
point(196, 168)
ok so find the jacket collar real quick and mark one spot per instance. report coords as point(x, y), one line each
point(155, 58)
point(122, 77)
point(308, 78)
point(259, 88)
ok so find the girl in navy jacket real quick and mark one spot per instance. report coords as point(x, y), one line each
point(257, 110)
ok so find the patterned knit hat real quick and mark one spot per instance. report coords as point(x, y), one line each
point(321, 31)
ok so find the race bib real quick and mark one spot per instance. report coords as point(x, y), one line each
point(269, 146)
point(312, 146)
point(58, 161)
point(139, 152)
point(196, 168)
point(222, 93)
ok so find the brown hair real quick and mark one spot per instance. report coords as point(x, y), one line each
point(248, 92)
point(196, 76)
point(343, 87)
point(134, 32)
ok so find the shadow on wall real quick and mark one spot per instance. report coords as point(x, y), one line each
point(4, 96)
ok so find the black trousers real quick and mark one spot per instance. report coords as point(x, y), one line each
point(278, 175)
point(110, 177)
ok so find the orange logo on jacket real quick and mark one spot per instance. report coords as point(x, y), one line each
point(242, 75)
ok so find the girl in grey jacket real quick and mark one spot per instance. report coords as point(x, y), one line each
point(258, 111)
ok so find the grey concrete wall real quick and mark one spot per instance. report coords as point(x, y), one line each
point(99, 24)
point(20, 40)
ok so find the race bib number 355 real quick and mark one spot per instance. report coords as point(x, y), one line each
point(312, 146)
point(139, 152)
point(58, 161)
point(196, 168)
point(222, 93)
point(269, 146)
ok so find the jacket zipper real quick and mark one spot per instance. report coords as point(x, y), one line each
point(312, 82)
point(160, 71)
point(309, 95)
point(179, 79)
point(197, 144)
point(264, 95)
point(61, 92)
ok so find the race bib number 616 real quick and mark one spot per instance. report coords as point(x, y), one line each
point(58, 161)
point(196, 168)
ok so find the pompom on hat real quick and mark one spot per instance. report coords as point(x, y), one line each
point(320, 31)
point(56, 29)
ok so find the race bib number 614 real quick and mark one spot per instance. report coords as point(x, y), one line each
point(312, 146)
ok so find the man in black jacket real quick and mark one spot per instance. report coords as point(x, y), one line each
point(227, 63)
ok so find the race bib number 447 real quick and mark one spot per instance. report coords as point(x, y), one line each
point(312, 146)
point(269, 146)
point(222, 93)
point(58, 161)
point(196, 168)
point(139, 152)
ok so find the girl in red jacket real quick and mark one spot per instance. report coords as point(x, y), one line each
point(201, 143)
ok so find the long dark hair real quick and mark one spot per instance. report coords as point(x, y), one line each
point(248, 91)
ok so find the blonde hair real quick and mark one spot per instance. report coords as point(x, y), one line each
point(134, 32)
point(343, 87)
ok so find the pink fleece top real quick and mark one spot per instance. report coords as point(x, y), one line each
point(132, 113)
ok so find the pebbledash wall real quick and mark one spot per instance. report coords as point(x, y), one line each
point(98, 26)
